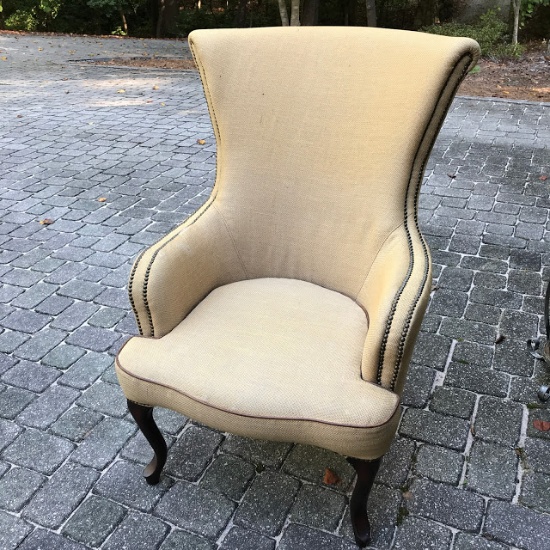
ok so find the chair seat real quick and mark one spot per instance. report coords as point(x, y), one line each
point(255, 357)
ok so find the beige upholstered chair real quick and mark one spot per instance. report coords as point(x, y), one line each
point(287, 307)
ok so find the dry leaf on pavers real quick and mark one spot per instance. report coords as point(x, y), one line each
point(40, 49)
point(544, 177)
point(155, 87)
point(4, 58)
point(434, 287)
point(330, 477)
point(201, 141)
point(101, 199)
point(46, 221)
point(500, 338)
point(452, 176)
point(19, 116)
point(121, 91)
point(407, 495)
point(163, 104)
point(541, 425)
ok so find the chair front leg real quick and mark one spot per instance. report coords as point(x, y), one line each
point(143, 416)
point(366, 472)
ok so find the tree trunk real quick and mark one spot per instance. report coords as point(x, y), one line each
point(516, 5)
point(160, 20)
point(294, 13)
point(240, 15)
point(310, 12)
point(283, 12)
point(124, 22)
point(371, 13)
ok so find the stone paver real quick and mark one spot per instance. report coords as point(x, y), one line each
point(469, 469)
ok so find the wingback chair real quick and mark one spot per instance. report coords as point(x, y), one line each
point(286, 308)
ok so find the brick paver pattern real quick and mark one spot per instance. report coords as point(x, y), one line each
point(110, 155)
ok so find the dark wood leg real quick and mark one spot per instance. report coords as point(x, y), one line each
point(366, 472)
point(144, 418)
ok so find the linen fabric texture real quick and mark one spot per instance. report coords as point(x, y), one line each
point(287, 307)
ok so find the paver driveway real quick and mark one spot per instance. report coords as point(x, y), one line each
point(468, 471)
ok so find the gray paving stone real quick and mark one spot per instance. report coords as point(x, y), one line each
point(195, 509)
point(448, 302)
point(124, 483)
point(318, 508)
point(31, 376)
point(6, 362)
point(169, 421)
point(12, 531)
point(267, 502)
point(86, 370)
point(55, 501)
point(17, 487)
point(537, 451)
point(513, 357)
point(310, 463)
point(498, 421)
point(102, 443)
point(418, 386)
point(477, 379)
point(13, 401)
point(396, 463)
point(435, 428)
point(453, 401)
point(80, 290)
point(462, 329)
point(137, 532)
point(8, 432)
point(192, 452)
point(9, 341)
point(535, 414)
point(40, 344)
point(448, 505)
point(74, 316)
point(93, 521)
point(422, 534)
point(431, 349)
point(517, 526)
point(93, 338)
point(300, 537)
point(63, 356)
point(104, 398)
point(75, 423)
point(535, 491)
point(439, 464)
point(107, 317)
point(38, 451)
point(265, 453)
point(470, 353)
point(181, 540)
point(45, 410)
point(492, 470)
point(25, 321)
point(229, 476)
point(465, 541)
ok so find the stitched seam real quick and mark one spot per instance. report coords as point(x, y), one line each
point(242, 415)
point(399, 293)
point(375, 258)
point(232, 240)
point(404, 332)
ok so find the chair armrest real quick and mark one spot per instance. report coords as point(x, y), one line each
point(395, 296)
point(171, 277)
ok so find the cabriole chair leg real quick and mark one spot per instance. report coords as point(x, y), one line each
point(144, 419)
point(366, 472)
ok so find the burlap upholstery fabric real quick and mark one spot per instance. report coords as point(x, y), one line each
point(322, 137)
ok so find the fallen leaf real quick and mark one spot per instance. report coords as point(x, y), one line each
point(163, 104)
point(452, 176)
point(434, 287)
point(46, 221)
point(541, 425)
point(4, 58)
point(201, 141)
point(19, 116)
point(149, 101)
point(500, 338)
point(40, 49)
point(473, 430)
point(101, 199)
point(407, 495)
point(330, 477)
point(121, 91)
point(155, 87)
point(544, 177)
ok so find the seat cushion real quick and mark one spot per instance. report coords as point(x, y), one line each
point(268, 358)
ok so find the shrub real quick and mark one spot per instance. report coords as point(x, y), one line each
point(490, 32)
